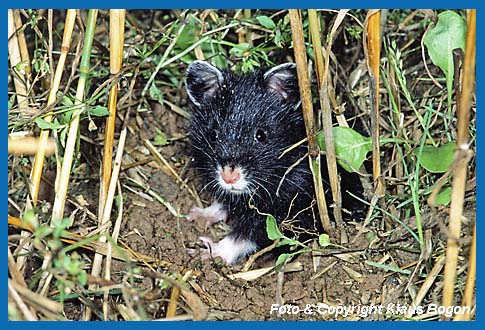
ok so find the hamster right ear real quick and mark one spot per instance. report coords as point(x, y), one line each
point(202, 81)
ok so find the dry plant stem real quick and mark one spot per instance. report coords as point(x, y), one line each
point(63, 178)
point(98, 258)
point(50, 43)
point(14, 270)
point(109, 257)
point(280, 281)
point(63, 183)
point(373, 60)
point(247, 15)
point(29, 146)
point(29, 316)
point(15, 58)
point(307, 107)
point(398, 122)
point(430, 279)
point(24, 51)
point(44, 134)
point(303, 81)
point(49, 307)
point(199, 309)
point(116, 39)
point(175, 295)
point(36, 172)
point(172, 172)
point(252, 259)
point(470, 279)
point(323, 75)
point(459, 179)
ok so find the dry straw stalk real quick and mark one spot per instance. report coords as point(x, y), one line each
point(462, 155)
point(307, 107)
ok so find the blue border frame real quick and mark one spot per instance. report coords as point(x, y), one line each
point(4, 324)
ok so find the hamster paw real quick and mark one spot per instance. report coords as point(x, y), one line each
point(211, 214)
point(228, 249)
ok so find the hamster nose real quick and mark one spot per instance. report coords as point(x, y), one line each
point(230, 175)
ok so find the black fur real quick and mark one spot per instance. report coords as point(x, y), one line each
point(228, 111)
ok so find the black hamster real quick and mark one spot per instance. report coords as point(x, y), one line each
point(240, 126)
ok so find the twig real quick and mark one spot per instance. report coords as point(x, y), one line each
point(116, 38)
point(24, 50)
point(29, 146)
point(63, 182)
point(470, 279)
point(373, 48)
point(98, 258)
point(199, 309)
point(15, 59)
point(307, 107)
point(36, 173)
point(323, 75)
point(48, 306)
point(20, 303)
point(14, 271)
point(162, 159)
point(459, 179)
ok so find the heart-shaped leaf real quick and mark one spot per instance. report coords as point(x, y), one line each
point(272, 228)
point(351, 147)
point(444, 197)
point(437, 159)
point(447, 35)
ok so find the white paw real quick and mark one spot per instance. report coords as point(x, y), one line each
point(228, 249)
point(211, 214)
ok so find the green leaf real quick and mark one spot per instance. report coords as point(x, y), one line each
point(72, 266)
point(437, 159)
point(82, 278)
point(29, 218)
point(160, 139)
point(98, 111)
point(240, 50)
point(42, 124)
point(351, 147)
point(282, 258)
point(448, 34)
point(444, 197)
point(272, 228)
point(155, 93)
point(287, 241)
point(324, 240)
point(66, 101)
point(266, 22)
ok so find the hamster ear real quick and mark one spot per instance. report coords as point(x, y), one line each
point(283, 81)
point(202, 81)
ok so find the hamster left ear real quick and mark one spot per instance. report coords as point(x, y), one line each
point(283, 81)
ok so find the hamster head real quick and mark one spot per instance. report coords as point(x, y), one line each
point(240, 126)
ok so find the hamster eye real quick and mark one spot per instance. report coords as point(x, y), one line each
point(260, 136)
point(213, 135)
